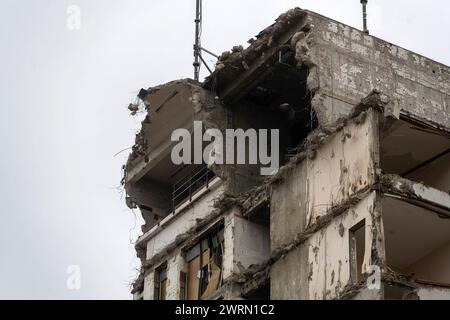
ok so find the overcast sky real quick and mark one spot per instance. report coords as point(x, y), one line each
point(63, 99)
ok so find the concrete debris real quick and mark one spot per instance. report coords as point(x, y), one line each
point(375, 99)
point(134, 108)
point(139, 148)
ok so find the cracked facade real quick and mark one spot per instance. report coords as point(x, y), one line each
point(363, 187)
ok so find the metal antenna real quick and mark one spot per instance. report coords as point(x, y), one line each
point(197, 45)
point(364, 8)
point(198, 59)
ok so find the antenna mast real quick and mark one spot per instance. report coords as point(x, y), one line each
point(364, 5)
point(198, 59)
point(197, 45)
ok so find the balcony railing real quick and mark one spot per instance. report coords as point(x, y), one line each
point(185, 188)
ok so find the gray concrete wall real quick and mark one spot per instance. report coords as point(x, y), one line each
point(251, 243)
point(246, 244)
point(288, 208)
point(289, 276)
point(348, 64)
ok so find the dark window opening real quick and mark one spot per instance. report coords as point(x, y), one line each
point(183, 284)
point(357, 248)
point(161, 282)
point(304, 121)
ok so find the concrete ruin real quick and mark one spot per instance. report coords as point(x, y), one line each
point(360, 208)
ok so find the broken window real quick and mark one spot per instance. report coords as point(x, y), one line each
point(204, 266)
point(417, 242)
point(357, 248)
point(161, 282)
point(416, 151)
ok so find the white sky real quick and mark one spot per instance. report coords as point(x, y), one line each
point(63, 99)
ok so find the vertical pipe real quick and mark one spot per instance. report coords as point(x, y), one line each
point(364, 8)
point(198, 17)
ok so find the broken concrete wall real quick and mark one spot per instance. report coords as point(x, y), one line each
point(329, 251)
point(411, 190)
point(343, 165)
point(149, 173)
point(161, 236)
point(321, 265)
point(346, 64)
point(168, 107)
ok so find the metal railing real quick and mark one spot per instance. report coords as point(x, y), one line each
point(185, 188)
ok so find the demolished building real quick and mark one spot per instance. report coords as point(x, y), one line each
point(359, 209)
